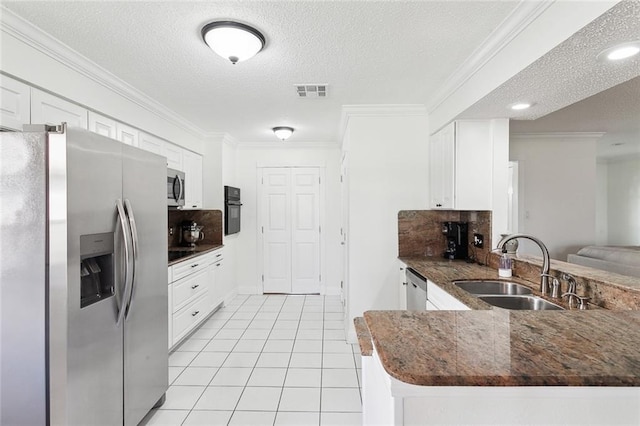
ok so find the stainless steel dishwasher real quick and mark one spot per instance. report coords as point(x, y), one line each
point(416, 291)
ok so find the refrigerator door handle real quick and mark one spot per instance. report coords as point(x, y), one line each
point(135, 246)
point(128, 279)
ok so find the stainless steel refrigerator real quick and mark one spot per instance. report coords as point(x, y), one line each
point(83, 282)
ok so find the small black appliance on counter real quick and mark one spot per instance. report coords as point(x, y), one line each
point(456, 237)
point(232, 206)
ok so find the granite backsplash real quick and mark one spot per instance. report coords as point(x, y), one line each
point(210, 219)
point(420, 232)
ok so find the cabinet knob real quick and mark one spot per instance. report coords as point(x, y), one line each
point(195, 313)
point(194, 265)
point(218, 264)
point(193, 287)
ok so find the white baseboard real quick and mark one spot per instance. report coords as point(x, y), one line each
point(330, 291)
point(249, 290)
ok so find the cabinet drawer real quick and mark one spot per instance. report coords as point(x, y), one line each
point(188, 288)
point(189, 316)
point(182, 269)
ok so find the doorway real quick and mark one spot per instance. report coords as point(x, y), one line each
point(290, 231)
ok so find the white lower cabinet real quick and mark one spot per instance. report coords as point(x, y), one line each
point(194, 292)
point(439, 300)
point(402, 285)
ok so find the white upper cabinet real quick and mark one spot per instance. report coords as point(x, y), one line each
point(14, 104)
point(150, 143)
point(461, 164)
point(127, 134)
point(49, 109)
point(173, 154)
point(102, 125)
point(192, 164)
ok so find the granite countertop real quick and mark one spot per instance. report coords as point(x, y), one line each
point(496, 347)
point(191, 252)
point(364, 337)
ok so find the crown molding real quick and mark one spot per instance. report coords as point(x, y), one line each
point(287, 145)
point(377, 110)
point(26, 32)
point(558, 135)
point(517, 21)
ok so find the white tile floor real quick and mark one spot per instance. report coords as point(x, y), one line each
point(266, 360)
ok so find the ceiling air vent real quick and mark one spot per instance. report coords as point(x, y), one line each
point(311, 90)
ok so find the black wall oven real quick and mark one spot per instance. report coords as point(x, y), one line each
point(232, 206)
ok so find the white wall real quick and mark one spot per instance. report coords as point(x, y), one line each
point(602, 221)
point(388, 172)
point(229, 272)
point(623, 195)
point(248, 159)
point(557, 191)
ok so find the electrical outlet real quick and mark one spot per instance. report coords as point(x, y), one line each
point(478, 240)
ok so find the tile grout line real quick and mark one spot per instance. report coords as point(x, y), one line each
point(216, 373)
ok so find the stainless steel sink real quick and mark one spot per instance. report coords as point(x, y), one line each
point(528, 303)
point(492, 287)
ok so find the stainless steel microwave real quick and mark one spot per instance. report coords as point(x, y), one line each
point(175, 188)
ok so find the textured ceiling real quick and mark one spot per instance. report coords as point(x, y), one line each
point(571, 73)
point(615, 112)
point(384, 52)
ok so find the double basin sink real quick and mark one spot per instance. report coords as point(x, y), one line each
point(506, 294)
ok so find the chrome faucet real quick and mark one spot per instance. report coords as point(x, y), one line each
point(544, 276)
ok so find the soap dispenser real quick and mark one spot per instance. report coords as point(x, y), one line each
point(504, 266)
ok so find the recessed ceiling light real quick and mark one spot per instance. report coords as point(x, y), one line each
point(283, 132)
point(232, 40)
point(520, 106)
point(620, 51)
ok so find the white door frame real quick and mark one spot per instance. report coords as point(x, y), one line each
point(259, 235)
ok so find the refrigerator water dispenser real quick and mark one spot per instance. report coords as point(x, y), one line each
point(96, 268)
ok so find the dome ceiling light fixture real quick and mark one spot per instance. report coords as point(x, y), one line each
point(232, 40)
point(620, 51)
point(283, 132)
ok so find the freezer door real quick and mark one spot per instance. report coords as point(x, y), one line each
point(95, 274)
point(22, 274)
point(146, 323)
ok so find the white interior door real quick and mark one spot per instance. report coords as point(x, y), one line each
point(305, 236)
point(276, 230)
point(290, 204)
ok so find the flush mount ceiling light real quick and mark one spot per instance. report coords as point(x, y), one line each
point(283, 132)
point(620, 51)
point(520, 106)
point(232, 40)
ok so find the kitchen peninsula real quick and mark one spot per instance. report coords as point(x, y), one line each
point(494, 366)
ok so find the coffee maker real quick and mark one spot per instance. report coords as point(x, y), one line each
point(456, 240)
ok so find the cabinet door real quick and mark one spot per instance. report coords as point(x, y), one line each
point(49, 109)
point(102, 125)
point(15, 108)
point(127, 134)
point(402, 285)
point(150, 143)
point(173, 154)
point(474, 165)
point(442, 170)
point(193, 176)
